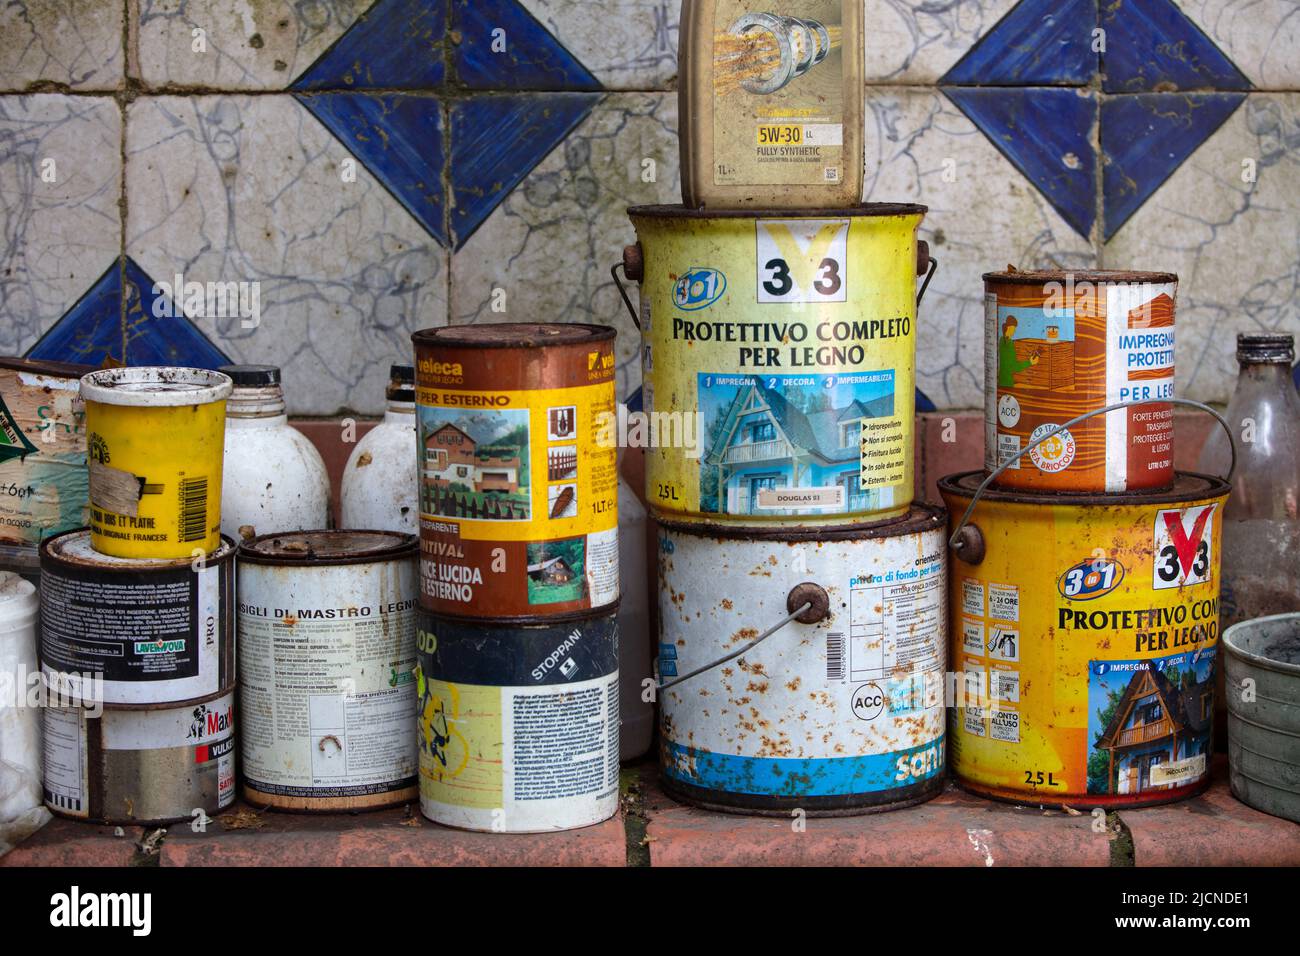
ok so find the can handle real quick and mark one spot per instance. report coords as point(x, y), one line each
point(806, 603)
point(959, 541)
point(925, 263)
point(633, 269)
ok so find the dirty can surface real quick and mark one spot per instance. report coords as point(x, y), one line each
point(1085, 642)
point(157, 632)
point(841, 716)
point(44, 489)
point(1060, 344)
point(778, 353)
point(518, 724)
point(518, 470)
point(326, 661)
point(155, 444)
point(141, 766)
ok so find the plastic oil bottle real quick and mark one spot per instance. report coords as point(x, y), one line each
point(381, 479)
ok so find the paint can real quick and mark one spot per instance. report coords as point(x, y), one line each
point(841, 711)
point(518, 470)
point(138, 766)
point(155, 442)
point(326, 659)
point(1084, 637)
point(44, 490)
point(778, 357)
point(157, 632)
point(518, 723)
point(1060, 344)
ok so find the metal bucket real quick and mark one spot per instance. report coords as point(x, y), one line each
point(141, 765)
point(326, 660)
point(841, 711)
point(779, 353)
point(1084, 637)
point(1060, 344)
point(157, 631)
point(1262, 658)
point(518, 723)
point(518, 473)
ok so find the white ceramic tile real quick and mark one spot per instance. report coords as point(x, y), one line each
point(76, 44)
point(56, 237)
point(244, 189)
point(983, 214)
point(247, 44)
point(627, 45)
point(1262, 37)
point(551, 243)
point(1235, 244)
point(918, 41)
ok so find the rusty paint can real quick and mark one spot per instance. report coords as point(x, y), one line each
point(147, 765)
point(155, 631)
point(326, 669)
point(1084, 638)
point(778, 356)
point(1061, 344)
point(841, 715)
point(518, 725)
point(518, 470)
point(44, 489)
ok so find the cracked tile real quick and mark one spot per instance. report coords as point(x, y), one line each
point(629, 45)
point(1262, 37)
point(918, 41)
point(71, 43)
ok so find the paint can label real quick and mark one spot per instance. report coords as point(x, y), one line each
point(518, 488)
point(518, 728)
point(1057, 349)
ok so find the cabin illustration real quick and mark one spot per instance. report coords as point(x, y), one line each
point(765, 442)
point(552, 571)
point(1154, 725)
point(452, 457)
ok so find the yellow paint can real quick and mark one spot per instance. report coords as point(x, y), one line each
point(155, 452)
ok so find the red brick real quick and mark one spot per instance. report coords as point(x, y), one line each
point(327, 435)
point(387, 838)
point(69, 843)
point(965, 452)
point(954, 829)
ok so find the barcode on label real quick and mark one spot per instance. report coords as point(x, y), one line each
point(194, 509)
point(834, 655)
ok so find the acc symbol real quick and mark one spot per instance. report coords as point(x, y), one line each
point(868, 702)
point(698, 289)
point(1091, 579)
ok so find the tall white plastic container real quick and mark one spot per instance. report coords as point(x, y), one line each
point(274, 479)
point(381, 480)
point(20, 725)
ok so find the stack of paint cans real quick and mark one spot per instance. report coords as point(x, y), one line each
point(1084, 597)
point(801, 610)
point(518, 590)
point(137, 628)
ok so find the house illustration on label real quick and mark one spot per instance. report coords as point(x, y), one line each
point(452, 458)
point(552, 571)
point(1159, 733)
point(765, 443)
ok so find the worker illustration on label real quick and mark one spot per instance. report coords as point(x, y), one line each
point(1008, 363)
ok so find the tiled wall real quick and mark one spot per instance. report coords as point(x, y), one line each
point(375, 166)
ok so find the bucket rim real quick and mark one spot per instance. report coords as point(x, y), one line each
point(155, 386)
point(18, 596)
point(921, 516)
point(1258, 660)
point(875, 210)
point(388, 546)
point(1098, 276)
point(53, 551)
point(962, 484)
point(513, 335)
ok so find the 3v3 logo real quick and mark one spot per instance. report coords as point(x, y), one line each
point(802, 260)
point(1182, 547)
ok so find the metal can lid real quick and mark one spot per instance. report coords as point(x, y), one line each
point(73, 548)
point(1014, 276)
point(513, 335)
point(157, 386)
point(252, 376)
point(919, 517)
point(1187, 486)
point(1261, 348)
point(401, 383)
point(861, 211)
point(318, 548)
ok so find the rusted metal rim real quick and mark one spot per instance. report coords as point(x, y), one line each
point(862, 211)
point(847, 805)
point(1082, 801)
point(529, 620)
point(1096, 276)
point(1241, 630)
point(1187, 486)
point(189, 702)
point(51, 369)
point(328, 548)
point(55, 551)
point(513, 335)
point(920, 517)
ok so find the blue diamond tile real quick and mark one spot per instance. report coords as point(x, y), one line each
point(1151, 46)
point(1146, 137)
point(154, 336)
point(399, 140)
point(1047, 134)
point(1038, 43)
point(91, 331)
point(497, 140)
point(396, 44)
point(501, 46)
